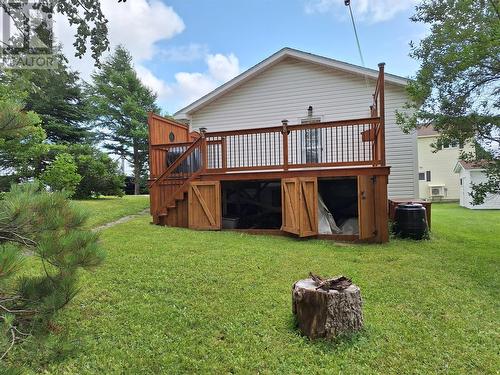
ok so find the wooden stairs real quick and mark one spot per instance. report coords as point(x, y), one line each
point(170, 189)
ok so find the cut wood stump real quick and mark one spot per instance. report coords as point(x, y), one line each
point(327, 313)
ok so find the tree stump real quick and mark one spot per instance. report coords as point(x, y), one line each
point(326, 313)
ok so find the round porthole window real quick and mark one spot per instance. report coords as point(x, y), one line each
point(171, 137)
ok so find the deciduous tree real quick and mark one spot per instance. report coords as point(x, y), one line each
point(62, 175)
point(457, 87)
point(86, 16)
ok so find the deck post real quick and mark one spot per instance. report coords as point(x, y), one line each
point(203, 146)
point(381, 109)
point(224, 152)
point(284, 133)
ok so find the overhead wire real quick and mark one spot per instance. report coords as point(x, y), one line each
point(348, 4)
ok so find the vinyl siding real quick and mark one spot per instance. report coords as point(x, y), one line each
point(287, 89)
point(441, 165)
point(469, 177)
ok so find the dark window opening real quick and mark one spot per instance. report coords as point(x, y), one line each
point(428, 176)
point(421, 176)
point(251, 205)
point(341, 199)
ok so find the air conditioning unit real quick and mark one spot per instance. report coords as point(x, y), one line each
point(437, 191)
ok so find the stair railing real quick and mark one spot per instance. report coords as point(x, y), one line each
point(180, 173)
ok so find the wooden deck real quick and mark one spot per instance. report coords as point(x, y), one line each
point(182, 163)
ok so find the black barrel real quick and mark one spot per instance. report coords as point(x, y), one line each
point(410, 221)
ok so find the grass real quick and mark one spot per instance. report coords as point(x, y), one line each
point(106, 209)
point(175, 301)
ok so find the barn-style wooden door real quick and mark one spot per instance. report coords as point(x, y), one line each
point(366, 207)
point(299, 205)
point(204, 205)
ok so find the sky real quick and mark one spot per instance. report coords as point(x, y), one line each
point(183, 49)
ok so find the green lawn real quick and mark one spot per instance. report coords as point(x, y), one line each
point(106, 209)
point(176, 301)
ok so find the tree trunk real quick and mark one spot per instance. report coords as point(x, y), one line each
point(137, 171)
point(326, 314)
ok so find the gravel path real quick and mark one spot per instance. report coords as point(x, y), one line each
point(121, 220)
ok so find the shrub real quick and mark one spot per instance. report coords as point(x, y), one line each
point(62, 174)
point(50, 227)
point(100, 174)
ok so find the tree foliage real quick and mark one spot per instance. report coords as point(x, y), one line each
point(20, 138)
point(86, 16)
point(62, 174)
point(56, 95)
point(51, 229)
point(120, 103)
point(100, 174)
point(457, 86)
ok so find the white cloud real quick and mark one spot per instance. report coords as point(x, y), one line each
point(191, 52)
point(223, 68)
point(138, 25)
point(154, 83)
point(364, 10)
point(192, 86)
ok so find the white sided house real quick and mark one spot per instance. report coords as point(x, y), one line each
point(437, 179)
point(469, 174)
point(303, 88)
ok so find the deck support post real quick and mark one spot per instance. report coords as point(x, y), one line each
point(203, 146)
point(224, 152)
point(381, 110)
point(284, 133)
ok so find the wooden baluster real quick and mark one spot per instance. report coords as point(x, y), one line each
point(284, 132)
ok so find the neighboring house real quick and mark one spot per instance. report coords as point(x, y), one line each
point(299, 143)
point(437, 180)
point(473, 173)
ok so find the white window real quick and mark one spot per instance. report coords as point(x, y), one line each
point(311, 141)
point(453, 144)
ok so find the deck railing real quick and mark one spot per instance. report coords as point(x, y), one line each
point(324, 144)
point(187, 163)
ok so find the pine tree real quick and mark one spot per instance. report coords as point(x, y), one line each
point(51, 229)
point(120, 103)
point(21, 138)
point(56, 95)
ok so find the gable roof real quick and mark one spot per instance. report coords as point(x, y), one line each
point(473, 165)
point(276, 58)
point(427, 131)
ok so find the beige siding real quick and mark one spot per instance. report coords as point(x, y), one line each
point(286, 90)
point(441, 165)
